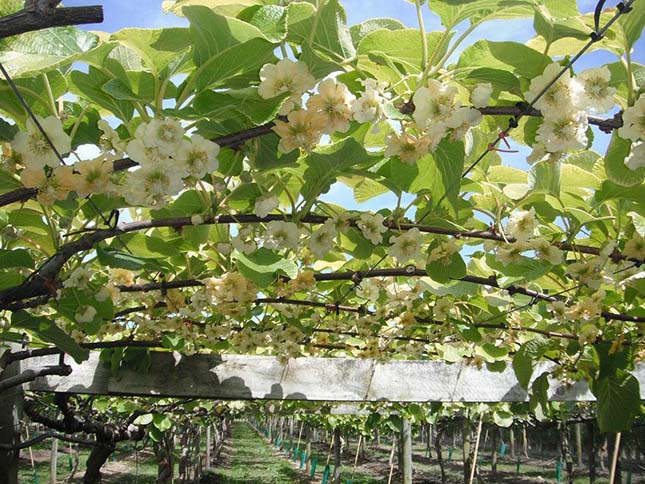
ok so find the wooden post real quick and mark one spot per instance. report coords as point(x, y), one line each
point(467, 443)
point(525, 442)
point(337, 455)
point(614, 469)
point(53, 462)
point(493, 457)
point(473, 463)
point(208, 447)
point(405, 443)
point(10, 417)
point(579, 443)
point(591, 452)
point(511, 441)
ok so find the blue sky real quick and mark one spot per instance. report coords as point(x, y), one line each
point(147, 13)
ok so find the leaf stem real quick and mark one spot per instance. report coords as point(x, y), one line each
point(424, 38)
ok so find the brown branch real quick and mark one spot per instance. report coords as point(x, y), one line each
point(30, 375)
point(45, 436)
point(40, 284)
point(27, 21)
point(606, 125)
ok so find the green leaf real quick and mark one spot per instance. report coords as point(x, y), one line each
point(323, 165)
point(615, 167)
point(36, 52)
point(8, 182)
point(116, 258)
point(161, 50)
point(509, 56)
point(618, 402)
point(538, 401)
point(502, 418)
point(359, 31)
point(7, 131)
point(391, 54)
point(145, 419)
point(161, 422)
point(216, 104)
point(552, 28)
point(15, 258)
point(452, 12)
point(330, 39)
point(467, 331)
point(270, 19)
point(226, 50)
point(48, 331)
point(263, 265)
point(90, 86)
point(544, 176)
point(526, 358)
point(440, 272)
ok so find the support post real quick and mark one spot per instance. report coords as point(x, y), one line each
point(53, 462)
point(406, 452)
point(579, 443)
point(10, 417)
point(337, 455)
point(208, 448)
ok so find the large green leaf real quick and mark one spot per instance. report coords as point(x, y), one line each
point(327, 32)
point(90, 86)
point(391, 54)
point(48, 331)
point(618, 396)
point(226, 50)
point(526, 357)
point(544, 176)
point(159, 49)
point(452, 12)
point(552, 28)
point(263, 265)
point(361, 30)
point(36, 52)
point(615, 167)
point(270, 19)
point(510, 56)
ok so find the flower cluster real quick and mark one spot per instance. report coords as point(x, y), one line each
point(564, 107)
point(168, 161)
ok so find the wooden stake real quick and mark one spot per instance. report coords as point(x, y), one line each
point(389, 479)
point(614, 459)
point(473, 463)
point(53, 462)
point(358, 449)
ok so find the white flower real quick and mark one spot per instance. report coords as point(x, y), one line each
point(93, 176)
point(265, 204)
point(369, 290)
point(511, 253)
point(636, 158)
point(144, 155)
point(110, 140)
point(547, 251)
point(481, 95)
point(634, 121)
point(151, 185)
point(563, 132)
point(196, 219)
point(79, 278)
point(286, 76)
point(198, 156)
point(562, 98)
point(461, 120)
point(597, 94)
point(406, 246)
point(165, 134)
point(281, 235)
point(303, 130)
point(321, 241)
point(368, 108)
point(334, 103)
point(244, 242)
point(434, 103)
point(408, 147)
point(442, 309)
point(85, 314)
point(522, 224)
point(372, 227)
point(635, 247)
point(34, 148)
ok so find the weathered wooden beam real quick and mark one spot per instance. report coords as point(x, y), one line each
point(26, 21)
point(321, 379)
